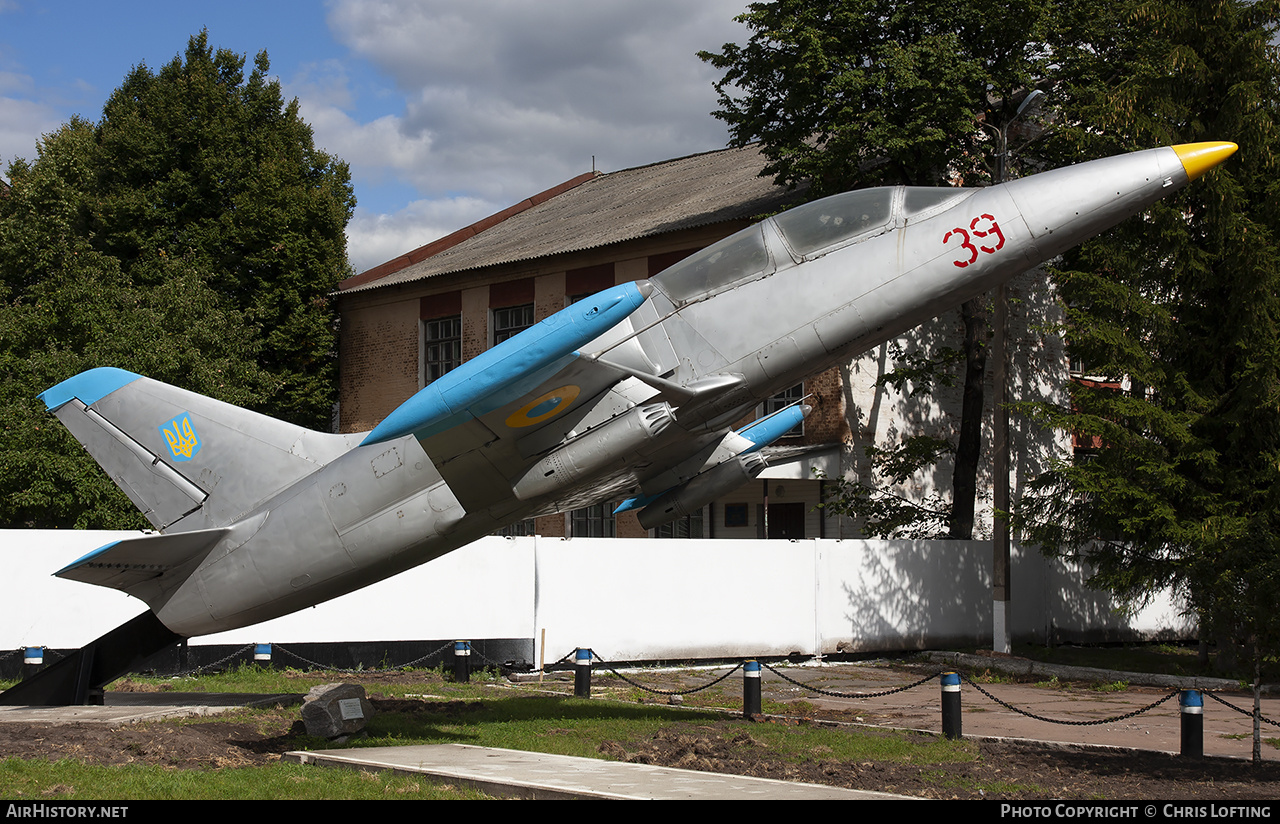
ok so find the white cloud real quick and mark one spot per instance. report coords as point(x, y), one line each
point(506, 98)
point(375, 238)
point(19, 120)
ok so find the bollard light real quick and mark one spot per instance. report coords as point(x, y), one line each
point(32, 662)
point(951, 723)
point(582, 673)
point(1191, 704)
point(751, 689)
point(461, 662)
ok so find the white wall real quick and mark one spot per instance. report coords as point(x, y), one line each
point(628, 599)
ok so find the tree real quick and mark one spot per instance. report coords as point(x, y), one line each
point(1178, 312)
point(193, 235)
point(198, 162)
point(849, 93)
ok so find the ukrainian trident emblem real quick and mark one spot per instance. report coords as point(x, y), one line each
point(181, 437)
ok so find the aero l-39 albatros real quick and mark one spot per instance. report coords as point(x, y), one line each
point(629, 394)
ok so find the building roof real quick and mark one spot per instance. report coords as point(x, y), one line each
point(595, 210)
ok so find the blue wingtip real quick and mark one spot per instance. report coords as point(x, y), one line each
point(83, 558)
point(498, 376)
point(89, 387)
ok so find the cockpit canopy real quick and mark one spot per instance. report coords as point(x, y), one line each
point(809, 231)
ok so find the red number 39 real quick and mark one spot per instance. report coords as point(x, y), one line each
point(971, 251)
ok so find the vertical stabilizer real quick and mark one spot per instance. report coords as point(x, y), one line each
point(185, 460)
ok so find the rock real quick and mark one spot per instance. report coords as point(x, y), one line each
point(331, 710)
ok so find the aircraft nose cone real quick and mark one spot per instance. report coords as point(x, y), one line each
point(1198, 158)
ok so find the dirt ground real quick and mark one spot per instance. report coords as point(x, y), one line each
point(718, 746)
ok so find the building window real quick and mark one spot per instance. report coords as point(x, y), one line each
point(595, 521)
point(517, 529)
point(690, 526)
point(511, 321)
point(442, 347)
point(781, 401)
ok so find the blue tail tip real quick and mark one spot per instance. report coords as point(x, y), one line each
point(88, 387)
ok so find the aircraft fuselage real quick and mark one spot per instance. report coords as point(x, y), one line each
point(630, 393)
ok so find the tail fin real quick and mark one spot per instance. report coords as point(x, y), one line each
point(183, 457)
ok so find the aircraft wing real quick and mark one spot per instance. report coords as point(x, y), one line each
point(484, 423)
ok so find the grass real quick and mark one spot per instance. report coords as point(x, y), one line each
point(574, 726)
point(251, 678)
point(67, 780)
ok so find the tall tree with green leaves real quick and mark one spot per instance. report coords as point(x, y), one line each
point(1178, 313)
point(843, 94)
point(201, 163)
point(193, 236)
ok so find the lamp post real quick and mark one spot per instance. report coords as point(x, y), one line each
point(1001, 590)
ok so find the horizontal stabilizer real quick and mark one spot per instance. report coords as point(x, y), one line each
point(126, 564)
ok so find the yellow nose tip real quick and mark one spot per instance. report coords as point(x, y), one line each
point(1198, 158)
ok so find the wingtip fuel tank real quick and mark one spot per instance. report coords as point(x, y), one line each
point(634, 393)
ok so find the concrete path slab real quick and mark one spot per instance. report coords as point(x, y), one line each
point(541, 775)
point(132, 707)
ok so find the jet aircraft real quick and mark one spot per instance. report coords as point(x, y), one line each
point(629, 394)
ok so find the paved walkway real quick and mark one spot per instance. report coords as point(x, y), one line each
point(541, 775)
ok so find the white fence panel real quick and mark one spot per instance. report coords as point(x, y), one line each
point(634, 599)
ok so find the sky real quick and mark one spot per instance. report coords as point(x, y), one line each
point(446, 111)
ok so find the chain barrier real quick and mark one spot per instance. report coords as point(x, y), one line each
point(654, 690)
point(563, 659)
point(834, 694)
point(1241, 710)
point(500, 665)
point(327, 668)
point(1110, 720)
point(978, 687)
point(210, 665)
point(809, 687)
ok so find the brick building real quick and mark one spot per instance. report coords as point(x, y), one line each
point(409, 320)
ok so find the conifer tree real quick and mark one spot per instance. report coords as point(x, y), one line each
point(1176, 313)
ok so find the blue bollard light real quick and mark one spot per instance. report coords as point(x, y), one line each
point(951, 723)
point(32, 661)
point(1191, 704)
point(582, 673)
point(461, 662)
point(262, 654)
point(751, 689)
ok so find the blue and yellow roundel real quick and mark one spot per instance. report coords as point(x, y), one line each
point(543, 407)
